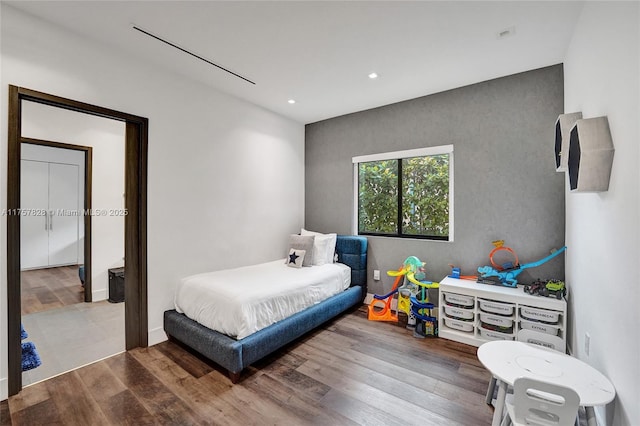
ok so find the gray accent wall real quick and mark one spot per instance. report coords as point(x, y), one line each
point(505, 183)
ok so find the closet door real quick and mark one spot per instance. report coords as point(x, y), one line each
point(34, 199)
point(63, 214)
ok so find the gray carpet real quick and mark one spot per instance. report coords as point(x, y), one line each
point(72, 336)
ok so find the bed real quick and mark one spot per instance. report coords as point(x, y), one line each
point(236, 354)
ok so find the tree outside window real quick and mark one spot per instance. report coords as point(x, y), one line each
point(422, 209)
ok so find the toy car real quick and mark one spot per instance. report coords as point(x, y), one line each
point(546, 288)
point(557, 288)
point(535, 287)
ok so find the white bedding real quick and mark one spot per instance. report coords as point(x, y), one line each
point(241, 301)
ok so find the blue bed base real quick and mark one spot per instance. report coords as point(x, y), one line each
point(235, 355)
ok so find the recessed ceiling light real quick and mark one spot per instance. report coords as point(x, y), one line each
point(292, 101)
point(373, 75)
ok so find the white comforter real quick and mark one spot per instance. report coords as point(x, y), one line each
point(241, 301)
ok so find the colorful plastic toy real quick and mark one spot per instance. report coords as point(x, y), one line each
point(404, 301)
point(508, 277)
point(500, 247)
point(535, 287)
point(545, 288)
point(380, 306)
point(456, 273)
point(426, 325)
point(556, 288)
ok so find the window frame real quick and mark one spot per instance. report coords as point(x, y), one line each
point(400, 155)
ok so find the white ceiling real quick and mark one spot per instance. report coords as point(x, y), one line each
point(320, 53)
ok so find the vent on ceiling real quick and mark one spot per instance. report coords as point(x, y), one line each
point(145, 32)
point(507, 32)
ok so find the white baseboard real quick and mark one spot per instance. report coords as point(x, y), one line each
point(156, 335)
point(4, 388)
point(99, 295)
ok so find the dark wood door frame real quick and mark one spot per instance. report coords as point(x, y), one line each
point(88, 165)
point(135, 253)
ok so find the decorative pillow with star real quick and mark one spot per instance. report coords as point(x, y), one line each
point(295, 258)
point(305, 243)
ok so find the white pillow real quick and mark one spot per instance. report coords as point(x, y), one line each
point(295, 258)
point(324, 246)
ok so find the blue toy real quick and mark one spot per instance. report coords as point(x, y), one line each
point(426, 324)
point(508, 277)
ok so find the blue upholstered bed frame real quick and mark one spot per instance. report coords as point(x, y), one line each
point(234, 355)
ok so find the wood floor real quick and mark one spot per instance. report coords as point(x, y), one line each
point(349, 372)
point(44, 289)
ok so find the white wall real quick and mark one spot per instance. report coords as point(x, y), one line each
point(106, 137)
point(226, 178)
point(602, 229)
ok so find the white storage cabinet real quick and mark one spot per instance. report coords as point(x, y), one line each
point(474, 313)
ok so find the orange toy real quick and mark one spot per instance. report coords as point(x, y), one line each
point(499, 246)
point(384, 312)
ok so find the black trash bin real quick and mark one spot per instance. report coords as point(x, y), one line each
point(116, 285)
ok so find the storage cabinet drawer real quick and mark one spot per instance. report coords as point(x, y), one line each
point(536, 314)
point(496, 320)
point(494, 307)
point(458, 313)
point(458, 325)
point(540, 327)
point(542, 339)
point(494, 335)
point(460, 300)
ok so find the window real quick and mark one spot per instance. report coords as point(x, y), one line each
point(405, 193)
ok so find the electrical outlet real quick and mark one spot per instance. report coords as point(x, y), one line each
point(376, 275)
point(587, 342)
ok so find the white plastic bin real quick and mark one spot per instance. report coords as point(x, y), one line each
point(461, 300)
point(494, 335)
point(537, 314)
point(540, 327)
point(494, 307)
point(496, 320)
point(458, 325)
point(542, 339)
point(455, 312)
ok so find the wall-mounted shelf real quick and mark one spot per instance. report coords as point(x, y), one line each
point(590, 155)
point(564, 123)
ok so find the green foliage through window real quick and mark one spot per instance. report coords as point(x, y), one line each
point(420, 209)
point(378, 189)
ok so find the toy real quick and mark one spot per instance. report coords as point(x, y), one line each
point(535, 287)
point(404, 302)
point(557, 288)
point(426, 325)
point(384, 313)
point(499, 247)
point(545, 288)
point(380, 306)
point(456, 273)
point(508, 276)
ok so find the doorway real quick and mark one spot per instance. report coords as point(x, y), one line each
point(136, 142)
point(60, 328)
point(82, 156)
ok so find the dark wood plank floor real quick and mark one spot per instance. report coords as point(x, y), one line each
point(44, 289)
point(349, 372)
